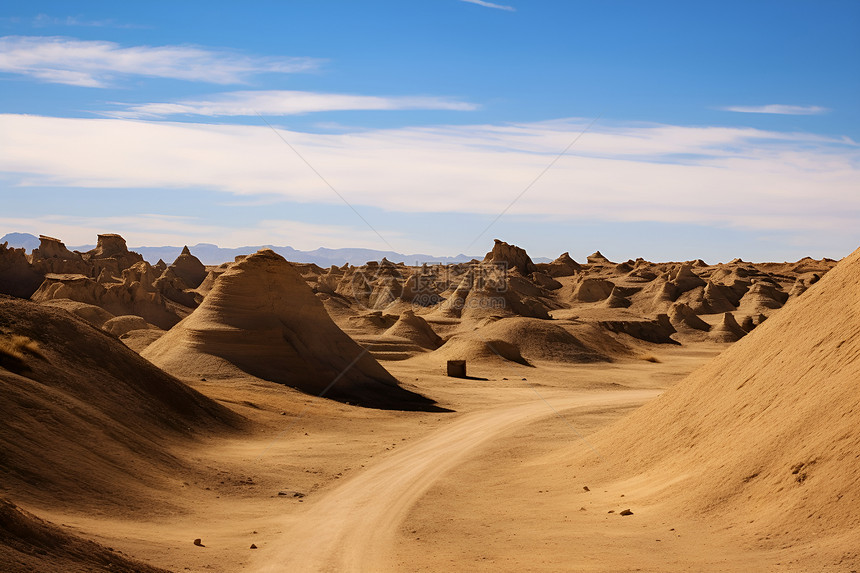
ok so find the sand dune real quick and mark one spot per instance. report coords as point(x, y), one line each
point(262, 319)
point(31, 544)
point(767, 434)
point(71, 387)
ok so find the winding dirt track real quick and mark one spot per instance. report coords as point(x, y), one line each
point(352, 527)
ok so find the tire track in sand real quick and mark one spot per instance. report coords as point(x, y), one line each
point(352, 527)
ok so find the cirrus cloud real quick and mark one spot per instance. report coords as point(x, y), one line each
point(778, 109)
point(89, 63)
point(286, 102)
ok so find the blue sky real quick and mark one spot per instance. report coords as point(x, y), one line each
point(709, 130)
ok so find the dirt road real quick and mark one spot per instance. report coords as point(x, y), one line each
point(353, 527)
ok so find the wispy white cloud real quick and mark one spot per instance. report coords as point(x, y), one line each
point(778, 109)
point(491, 5)
point(44, 20)
point(156, 230)
point(96, 63)
point(282, 102)
point(746, 178)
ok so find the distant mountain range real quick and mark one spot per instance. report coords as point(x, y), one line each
point(210, 254)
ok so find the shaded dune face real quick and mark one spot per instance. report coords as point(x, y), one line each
point(262, 319)
point(74, 387)
point(770, 428)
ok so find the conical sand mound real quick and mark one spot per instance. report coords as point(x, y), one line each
point(189, 268)
point(414, 328)
point(262, 319)
point(767, 434)
point(681, 315)
point(616, 300)
point(728, 330)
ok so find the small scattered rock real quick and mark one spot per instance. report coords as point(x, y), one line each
point(199, 542)
point(611, 511)
point(585, 488)
point(253, 546)
point(626, 512)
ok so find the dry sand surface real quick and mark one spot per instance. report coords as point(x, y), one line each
point(716, 403)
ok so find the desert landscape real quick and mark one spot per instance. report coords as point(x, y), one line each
point(262, 415)
point(451, 286)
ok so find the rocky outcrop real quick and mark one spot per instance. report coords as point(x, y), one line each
point(118, 299)
point(52, 256)
point(511, 256)
point(17, 277)
point(174, 288)
point(563, 266)
point(592, 290)
point(597, 258)
point(111, 253)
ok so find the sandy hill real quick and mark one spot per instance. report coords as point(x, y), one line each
point(67, 386)
point(262, 319)
point(31, 544)
point(767, 435)
point(521, 339)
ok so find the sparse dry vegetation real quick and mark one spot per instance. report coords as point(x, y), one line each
point(16, 347)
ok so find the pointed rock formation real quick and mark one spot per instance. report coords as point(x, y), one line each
point(728, 330)
point(685, 279)
point(262, 319)
point(681, 315)
point(616, 300)
point(597, 258)
point(716, 298)
point(563, 266)
point(189, 268)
